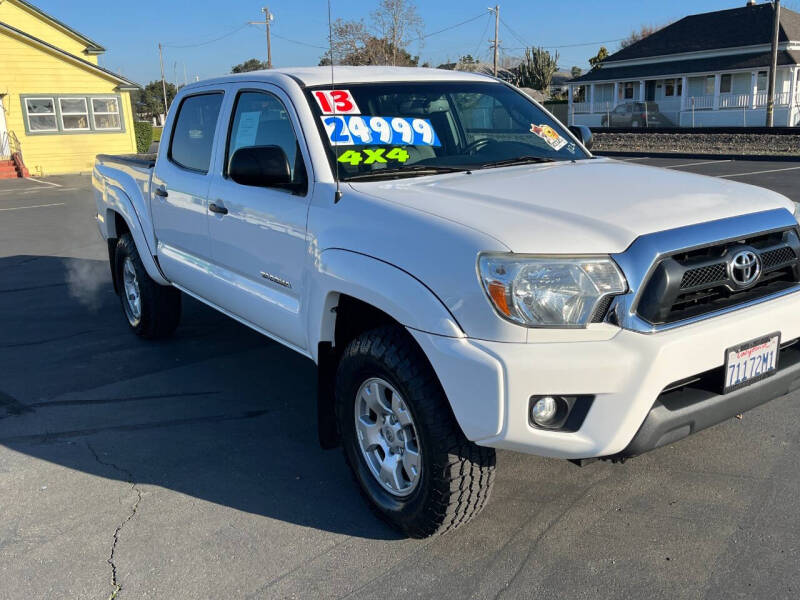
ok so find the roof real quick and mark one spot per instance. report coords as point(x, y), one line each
point(736, 27)
point(91, 45)
point(681, 67)
point(125, 83)
point(313, 76)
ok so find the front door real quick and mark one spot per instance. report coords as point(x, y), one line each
point(650, 91)
point(179, 195)
point(258, 234)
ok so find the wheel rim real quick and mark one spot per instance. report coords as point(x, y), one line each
point(387, 437)
point(132, 299)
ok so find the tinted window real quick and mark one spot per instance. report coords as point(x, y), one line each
point(193, 135)
point(260, 119)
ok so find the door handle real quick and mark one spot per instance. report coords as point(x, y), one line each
point(161, 192)
point(216, 208)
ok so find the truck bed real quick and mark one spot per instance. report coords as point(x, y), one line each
point(138, 160)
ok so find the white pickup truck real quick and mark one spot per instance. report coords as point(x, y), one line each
point(465, 274)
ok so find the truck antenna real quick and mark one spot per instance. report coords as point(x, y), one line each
point(338, 195)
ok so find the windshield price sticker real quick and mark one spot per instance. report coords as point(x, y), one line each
point(348, 130)
point(373, 155)
point(338, 102)
point(549, 135)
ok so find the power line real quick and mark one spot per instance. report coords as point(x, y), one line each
point(211, 41)
point(286, 39)
point(427, 35)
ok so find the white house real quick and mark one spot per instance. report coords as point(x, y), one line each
point(705, 70)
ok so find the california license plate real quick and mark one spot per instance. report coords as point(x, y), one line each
point(751, 362)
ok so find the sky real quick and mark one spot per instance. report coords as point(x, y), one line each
point(131, 31)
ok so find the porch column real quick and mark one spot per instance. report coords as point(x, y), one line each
point(615, 99)
point(591, 98)
point(684, 93)
point(641, 90)
point(717, 80)
point(570, 110)
point(792, 93)
point(753, 89)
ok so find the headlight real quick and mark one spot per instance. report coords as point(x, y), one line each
point(549, 292)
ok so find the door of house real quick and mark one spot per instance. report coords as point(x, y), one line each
point(5, 149)
point(650, 91)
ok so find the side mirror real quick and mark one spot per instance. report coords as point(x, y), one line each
point(584, 134)
point(260, 166)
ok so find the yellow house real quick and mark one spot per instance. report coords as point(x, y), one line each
point(58, 107)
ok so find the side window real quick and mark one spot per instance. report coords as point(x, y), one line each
point(193, 133)
point(261, 119)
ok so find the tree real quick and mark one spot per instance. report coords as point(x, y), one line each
point(597, 61)
point(537, 69)
point(149, 102)
point(383, 42)
point(397, 22)
point(576, 72)
point(637, 36)
point(252, 64)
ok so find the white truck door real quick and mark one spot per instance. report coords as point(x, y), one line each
point(258, 232)
point(179, 194)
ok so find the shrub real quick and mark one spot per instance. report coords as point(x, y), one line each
point(144, 136)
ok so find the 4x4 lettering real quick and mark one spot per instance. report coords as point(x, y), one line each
point(374, 156)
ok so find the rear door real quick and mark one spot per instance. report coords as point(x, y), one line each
point(179, 195)
point(258, 234)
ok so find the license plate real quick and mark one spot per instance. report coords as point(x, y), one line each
point(751, 362)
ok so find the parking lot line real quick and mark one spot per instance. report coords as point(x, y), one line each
point(43, 182)
point(760, 172)
point(33, 206)
point(695, 164)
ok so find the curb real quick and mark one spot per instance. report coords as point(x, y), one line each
point(690, 155)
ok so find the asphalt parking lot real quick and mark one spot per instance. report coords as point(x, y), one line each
point(189, 468)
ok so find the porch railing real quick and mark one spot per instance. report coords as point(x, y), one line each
point(726, 101)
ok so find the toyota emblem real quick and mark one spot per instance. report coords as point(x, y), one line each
point(745, 268)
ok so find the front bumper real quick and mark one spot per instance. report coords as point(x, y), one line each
point(489, 384)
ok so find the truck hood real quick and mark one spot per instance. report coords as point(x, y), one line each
point(595, 206)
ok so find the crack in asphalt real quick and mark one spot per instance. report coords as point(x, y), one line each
point(115, 583)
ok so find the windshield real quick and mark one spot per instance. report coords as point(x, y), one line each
point(419, 128)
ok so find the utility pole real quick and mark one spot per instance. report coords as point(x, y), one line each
point(496, 43)
point(774, 65)
point(266, 22)
point(163, 81)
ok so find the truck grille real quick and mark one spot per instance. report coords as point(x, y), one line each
point(688, 284)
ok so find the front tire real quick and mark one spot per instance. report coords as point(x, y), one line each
point(411, 460)
point(152, 311)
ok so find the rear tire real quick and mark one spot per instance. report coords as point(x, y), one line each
point(152, 311)
point(454, 476)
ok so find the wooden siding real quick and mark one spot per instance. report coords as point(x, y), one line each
point(23, 19)
point(27, 69)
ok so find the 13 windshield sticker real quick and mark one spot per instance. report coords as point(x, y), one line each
point(354, 130)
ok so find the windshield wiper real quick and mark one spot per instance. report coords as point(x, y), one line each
point(517, 160)
point(412, 170)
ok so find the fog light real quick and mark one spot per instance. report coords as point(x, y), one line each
point(544, 411)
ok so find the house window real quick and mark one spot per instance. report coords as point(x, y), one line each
point(725, 84)
point(106, 113)
point(41, 114)
point(679, 86)
point(627, 90)
point(74, 114)
point(762, 81)
point(709, 91)
point(669, 87)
